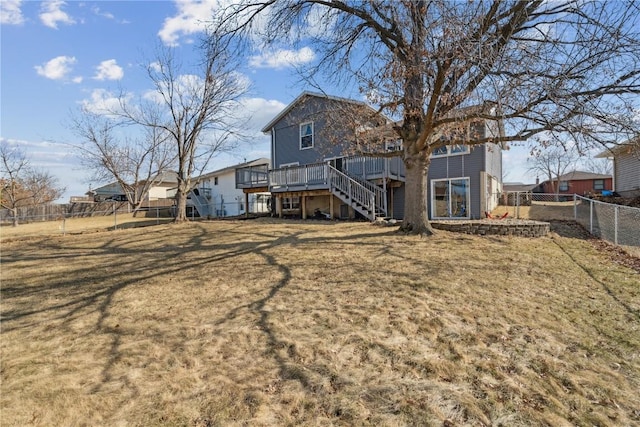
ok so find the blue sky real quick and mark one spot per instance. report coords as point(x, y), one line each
point(57, 56)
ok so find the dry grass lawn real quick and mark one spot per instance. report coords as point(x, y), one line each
point(269, 322)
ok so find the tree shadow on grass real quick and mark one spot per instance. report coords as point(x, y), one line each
point(113, 263)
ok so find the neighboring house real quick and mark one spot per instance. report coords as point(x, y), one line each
point(313, 175)
point(626, 167)
point(576, 182)
point(518, 187)
point(161, 188)
point(216, 193)
point(106, 192)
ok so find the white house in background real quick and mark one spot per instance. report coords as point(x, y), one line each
point(626, 167)
point(163, 187)
point(216, 194)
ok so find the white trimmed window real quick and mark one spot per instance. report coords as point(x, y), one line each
point(450, 198)
point(450, 150)
point(598, 184)
point(306, 135)
point(291, 203)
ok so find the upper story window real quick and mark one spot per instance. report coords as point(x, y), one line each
point(598, 184)
point(306, 135)
point(450, 150)
point(393, 145)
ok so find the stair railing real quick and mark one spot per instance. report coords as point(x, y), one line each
point(354, 191)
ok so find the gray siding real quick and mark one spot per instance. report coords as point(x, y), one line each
point(494, 160)
point(287, 134)
point(398, 202)
point(627, 170)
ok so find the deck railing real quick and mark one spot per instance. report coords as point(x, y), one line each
point(299, 176)
point(315, 174)
point(252, 176)
point(374, 167)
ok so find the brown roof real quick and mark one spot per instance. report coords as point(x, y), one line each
point(581, 175)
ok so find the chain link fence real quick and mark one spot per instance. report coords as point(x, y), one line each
point(113, 218)
point(617, 224)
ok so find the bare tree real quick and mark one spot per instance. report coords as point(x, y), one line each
point(22, 185)
point(567, 68)
point(599, 166)
point(197, 112)
point(136, 164)
point(552, 163)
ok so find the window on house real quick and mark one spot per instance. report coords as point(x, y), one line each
point(564, 186)
point(450, 198)
point(306, 135)
point(288, 165)
point(215, 180)
point(440, 151)
point(450, 150)
point(598, 184)
point(393, 145)
point(458, 149)
point(290, 202)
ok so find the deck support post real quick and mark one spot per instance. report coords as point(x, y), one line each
point(246, 205)
point(304, 207)
point(331, 206)
point(279, 206)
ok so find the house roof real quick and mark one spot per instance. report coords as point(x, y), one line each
point(300, 98)
point(518, 186)
point(257, 162)
point(619, 148)
point(165, 177)
point(581, 175)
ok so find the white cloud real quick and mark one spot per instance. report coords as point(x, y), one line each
point(56, 69)
point(261, 111)
point(52, 13)
point(97, 11)
point(10, 12)
point(109, 70)
point(103, 102)
point(283, 58)
point(191, 18)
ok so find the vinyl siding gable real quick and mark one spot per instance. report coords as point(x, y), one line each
point(286, 134)
point(627, 170)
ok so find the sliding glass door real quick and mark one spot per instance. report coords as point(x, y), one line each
point(450, 198)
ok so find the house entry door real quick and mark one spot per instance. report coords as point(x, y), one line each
point(337, 163)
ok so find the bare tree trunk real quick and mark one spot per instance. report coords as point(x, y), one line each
point(181, 205)
point(14, 214)
point(416, 220)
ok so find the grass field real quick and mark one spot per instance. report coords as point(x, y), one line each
point(269, 322)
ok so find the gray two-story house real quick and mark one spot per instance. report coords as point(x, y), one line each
point(314, 173)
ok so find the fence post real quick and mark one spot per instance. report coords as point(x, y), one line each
point(575, 207)
point(517, 205)
point(115, 216)
point(615, 225)
point(157, 215)
point(64, 223)
point(591, 216)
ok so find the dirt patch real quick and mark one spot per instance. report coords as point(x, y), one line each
point(623, 201)
point(617, 254)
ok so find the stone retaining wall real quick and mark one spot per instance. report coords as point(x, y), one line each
point(524, 228)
